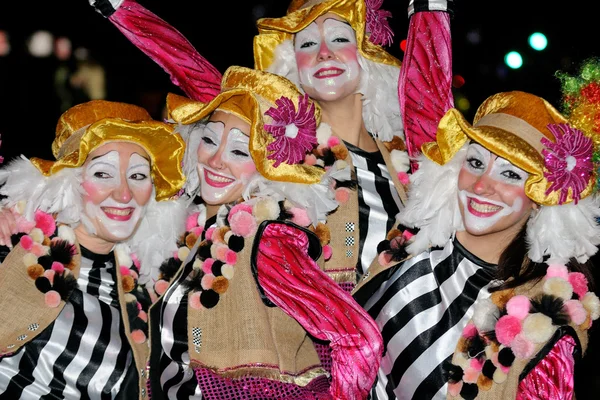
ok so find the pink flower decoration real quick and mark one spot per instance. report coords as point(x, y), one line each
point(507, 328)
point(579, 283)
point(518, 306)
point(295, 132)
point(377, 24)
point(45, 222)
point(568, 161)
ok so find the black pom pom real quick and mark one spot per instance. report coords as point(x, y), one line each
point(284, 214)
point(43, 284)
point(475, 346)
point(328, 157)
point(453, 372)
point(383, 246)
point(132, 310)
point(198, 200)
point(236, 243)
point(216, 268)
point(62, 251)
point(488, 369)
point(209, 298)
point(64, 284)
point(552, 307)
point(45, 261)
point(350, 184)
point(506, 357)
point(193, 283)
point(16, 238)
point(138, 323)
point(204, 250)
point(469, 391)
point(169, 268)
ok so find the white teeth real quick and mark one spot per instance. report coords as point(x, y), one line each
point(218, 178)
point(329, 72)
point(117, 211)
point(484, 208)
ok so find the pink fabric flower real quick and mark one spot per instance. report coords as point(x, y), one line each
point(45, 222)
point(568, 161)
point(295, 132)
point(518, 306)
point(579, 283)
point(377, 24)
point(507, 328)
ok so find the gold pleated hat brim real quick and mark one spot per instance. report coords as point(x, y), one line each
point(509, 143)
point(248, 94)
point(164, 147)
point(274, 31)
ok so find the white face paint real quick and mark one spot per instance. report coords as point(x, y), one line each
point(506, 183)
point(224, 161)
point(328, 61)
point(111, 204)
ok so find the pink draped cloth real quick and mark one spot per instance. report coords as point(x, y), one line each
point(425, 83)
point(296, 284)
point(553, 377)
point(166, 46)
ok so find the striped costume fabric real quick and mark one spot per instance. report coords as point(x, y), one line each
point(421, 307)
point(84, 353)
point(378, 203)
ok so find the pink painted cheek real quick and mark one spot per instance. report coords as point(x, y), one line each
point(304, 60)
point(142, 194)
point(95, 194)
point(465, 179)
point(243, 170)
point(512, 195)
point(348, 53)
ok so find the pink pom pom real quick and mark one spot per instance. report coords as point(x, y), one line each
point(469, 331)
point(197, 231)
point(133, 274)
point(455, 388)
point(194, 301)
point(24, 225)
point(26, 242)
point(522, 347)
point(327, 252)
point(342, 195)
point(49, 274)
point(403, 178)
point(209, 232)
point(407, 234)
point(300, 216)
point(207, 265)
point(239, 207)
point(143, 316)
point(191, 221)
point(243, 224)
point(136, 261)
point(507, 328)
point(557, 270)
point(384, 258)
point(333, 141)
point(58, 267)
point(52, 298)
point(176, 255)
point(125, 270)
point(576, 311)
point(310, 159)
point(139, 306)
point(161, 286)
point(45, 222)
point(470, 375)
point(476, 363)
point(207, 281)
point(230, 257)
point(221, 252)
point(138, 336)
point(38, 250)
point(579, 283)
point(518, 307)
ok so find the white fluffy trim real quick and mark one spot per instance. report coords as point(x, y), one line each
point(60, 193)
point(565, 231)
point(432, 204)
point(191, 134)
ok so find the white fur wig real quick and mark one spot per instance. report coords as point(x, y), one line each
point(61, 194)
point(191, 135)
point(555, 234)
point(379, 87)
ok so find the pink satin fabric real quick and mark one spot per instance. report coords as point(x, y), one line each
point(295, 283)
point(199, 79)
point(425, 83)
point(553, 377)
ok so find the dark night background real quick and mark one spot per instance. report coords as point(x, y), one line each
point(223, 30)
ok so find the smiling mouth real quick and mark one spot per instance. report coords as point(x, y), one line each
point(216, 180)
point(118, 214)
point(328, 73)
point(480, 209)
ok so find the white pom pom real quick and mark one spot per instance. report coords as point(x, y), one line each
point(323, 133)
point(400, 160)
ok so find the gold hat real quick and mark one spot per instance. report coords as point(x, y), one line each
point(252, 95)
point(527, 131)
point(86, 126)
point(300, 14)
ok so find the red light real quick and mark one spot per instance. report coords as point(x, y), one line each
point(403, 45)
point(458, 81)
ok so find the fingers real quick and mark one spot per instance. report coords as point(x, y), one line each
point(8, 227)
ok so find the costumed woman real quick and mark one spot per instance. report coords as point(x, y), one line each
point(494, 300)
point(359, 95)
point(249, 314)
point(74, 288)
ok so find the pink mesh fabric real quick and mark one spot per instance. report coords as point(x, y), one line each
point(216, 387)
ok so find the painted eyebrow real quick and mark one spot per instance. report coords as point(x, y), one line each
point(337, 20)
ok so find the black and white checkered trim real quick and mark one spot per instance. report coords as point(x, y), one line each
point(430, 5)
